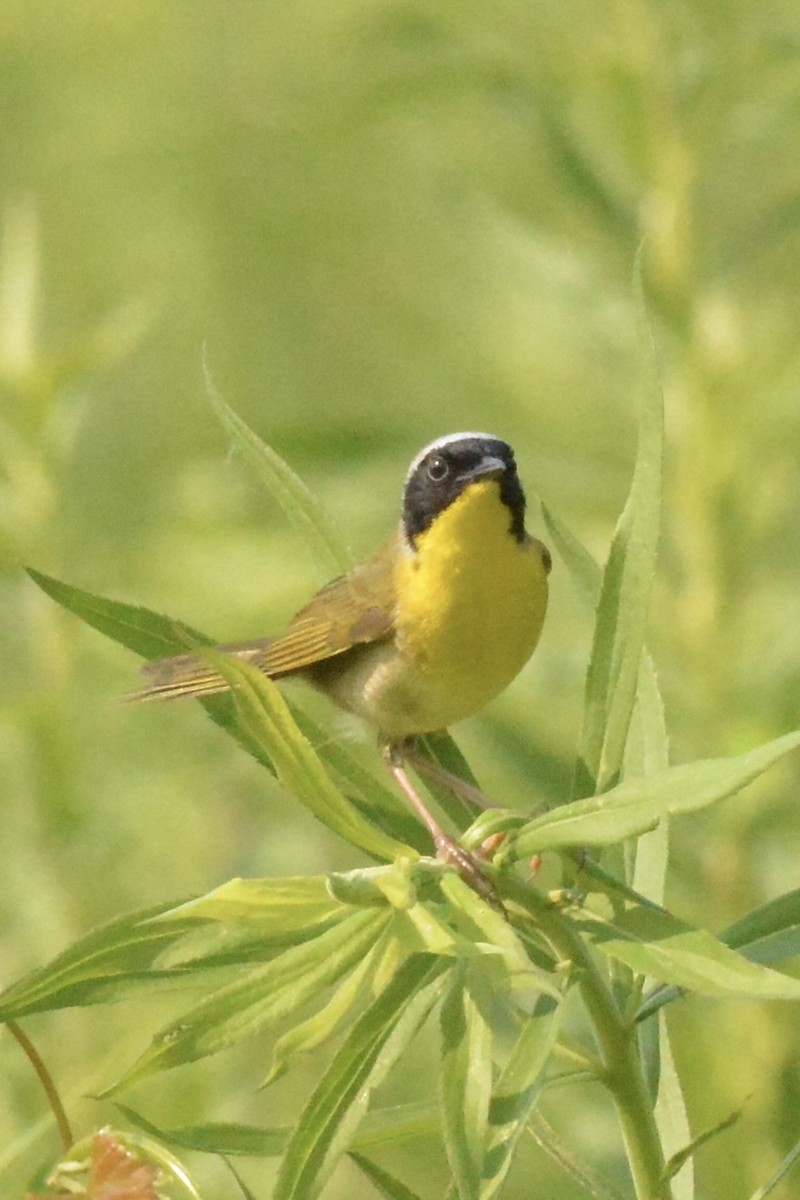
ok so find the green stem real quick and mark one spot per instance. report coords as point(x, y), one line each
point(622, 1071)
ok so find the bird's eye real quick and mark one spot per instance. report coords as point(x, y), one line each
point(438, 468)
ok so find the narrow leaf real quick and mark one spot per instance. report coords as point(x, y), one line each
point(267, 720)
point(672, 1119)
point(647, 753)
point(243, 1188)
point(215, 1138)
point(483, 924)
point(386, 1184)
point(266, 995)
point(677, 1161)
point(149, 634)
point(102, 966)
point(564, 1156)
point(393, 884)
point(293, 903)
point(769, 934)
point(784, 1168)
point(342, 1008)
point(625, 595)
point(398, 1122)
point(421, 929)
point(635, 806)
point(647, 745)
point(586, 575)
point(298, 503)
point(466, 1085)
point(653, 942)
point(383, 1127)
point(517, 1091)
point(337, 1105)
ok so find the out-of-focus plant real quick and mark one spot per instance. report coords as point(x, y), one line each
point(364, 958)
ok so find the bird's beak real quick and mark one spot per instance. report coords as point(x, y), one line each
point(489, 465)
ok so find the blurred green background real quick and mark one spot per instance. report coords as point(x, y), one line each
point(382, 222)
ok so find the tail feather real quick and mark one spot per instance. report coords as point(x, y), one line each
point(190, 674)
point(209, 685)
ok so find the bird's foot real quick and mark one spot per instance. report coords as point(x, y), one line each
point(447, 848)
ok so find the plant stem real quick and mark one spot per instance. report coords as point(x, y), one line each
point(46, 1080)
point(616, 1042)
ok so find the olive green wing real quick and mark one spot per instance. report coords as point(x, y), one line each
point(353, 610)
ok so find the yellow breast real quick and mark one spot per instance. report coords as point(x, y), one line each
point(471, 600)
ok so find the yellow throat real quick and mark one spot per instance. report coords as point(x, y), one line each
point(471, 601)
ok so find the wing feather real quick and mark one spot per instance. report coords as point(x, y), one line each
point(353, 610)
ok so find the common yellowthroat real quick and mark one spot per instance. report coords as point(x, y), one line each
point(428, 630)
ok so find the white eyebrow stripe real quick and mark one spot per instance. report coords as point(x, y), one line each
point(445, 441)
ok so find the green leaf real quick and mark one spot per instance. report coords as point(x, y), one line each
point(624, 596)
point(647, 753)
point(215, 1138)
point(298, 503)
point(635, 806)
point(483, 925)
point(386, 1184)
point(393, 884)
point(243, 1188)
point(517, 1091)
point(266, 719)
point(647, 749)
point(266, 995)
point(100, 967)
point(768, 934)
point(678, 1160)
point(372, 1047)
point(563, 1154)
point(672, 1119)
point(785, 1166)
point(383, 1127)
point(653, 942)
point(292, 903)
point(586, 574)
point(647, 744)
point(149, 634)
point(153, 636)
point(343, 1008)
point(466, 1083)
point(421, 929)
point(397, 1122)
point(771, 932)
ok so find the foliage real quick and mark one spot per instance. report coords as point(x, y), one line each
point(378, 223)
point(374, 952)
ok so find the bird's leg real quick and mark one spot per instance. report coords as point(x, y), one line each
point(457, 785)
point(473, 795)
point(447, 848)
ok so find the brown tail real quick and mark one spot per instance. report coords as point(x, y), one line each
point(190, 674)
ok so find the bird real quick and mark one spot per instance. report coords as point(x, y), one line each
point(426, 631)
